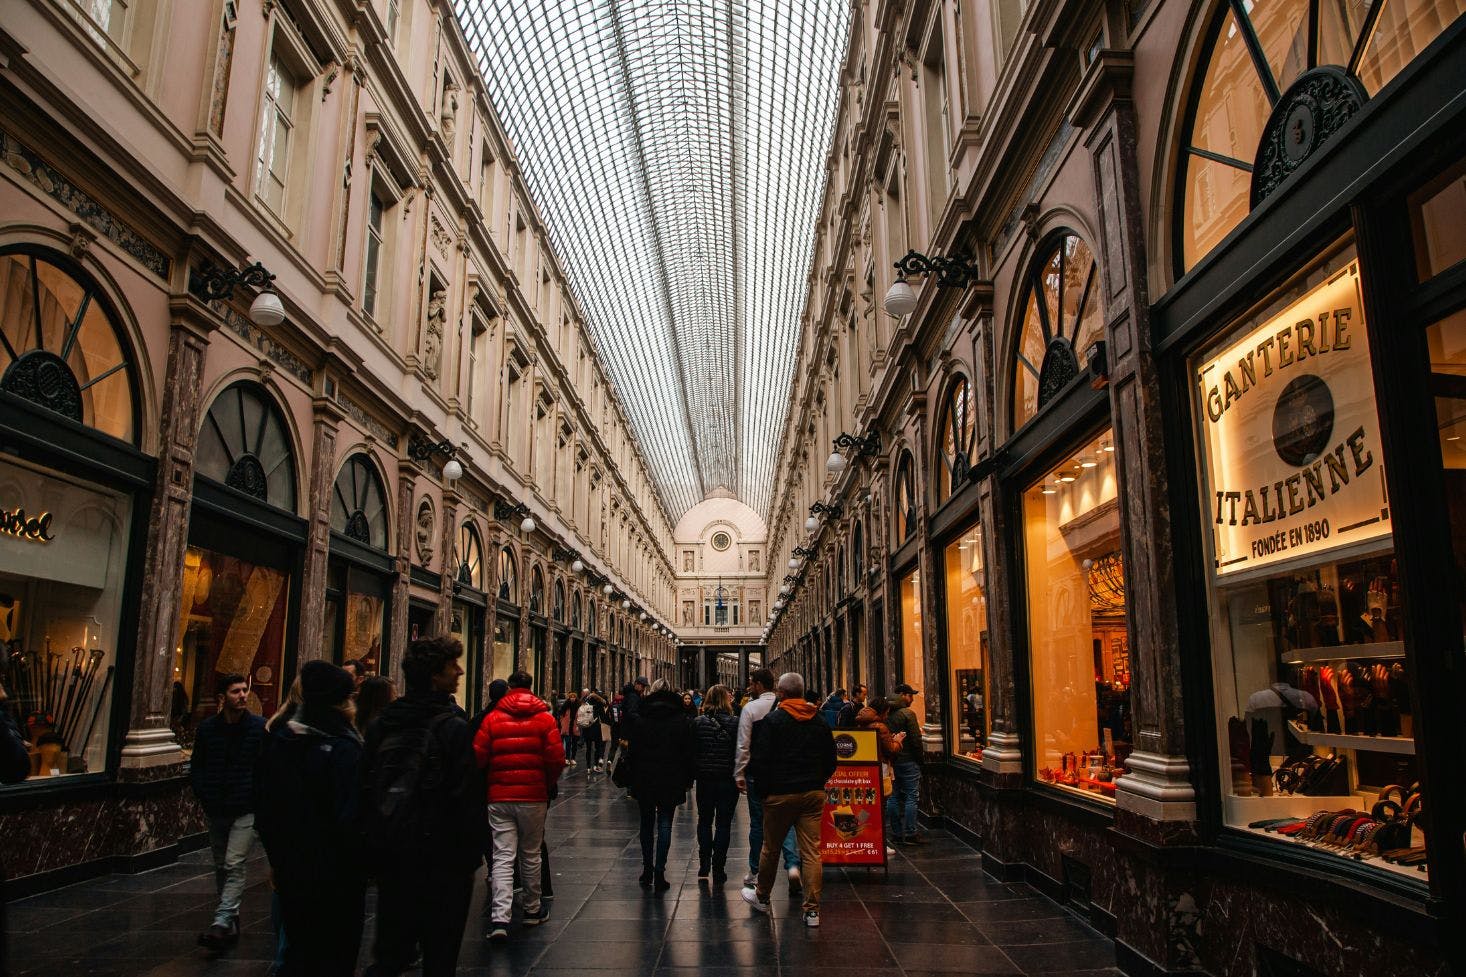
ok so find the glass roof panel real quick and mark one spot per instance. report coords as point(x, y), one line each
point(676, 151)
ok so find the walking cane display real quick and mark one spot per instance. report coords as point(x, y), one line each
point(97, 709)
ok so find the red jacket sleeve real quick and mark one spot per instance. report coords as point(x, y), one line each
point(554, 752)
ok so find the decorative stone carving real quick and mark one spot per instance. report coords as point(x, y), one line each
point(1060, 366)
point(442, 240)
point(1312, 109)
point(433, 333)
point(424, 532)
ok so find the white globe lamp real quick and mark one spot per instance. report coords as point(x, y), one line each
point(900, 299)
point(266, 309)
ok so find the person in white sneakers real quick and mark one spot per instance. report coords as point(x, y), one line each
point(761, 700)
point(791, 759)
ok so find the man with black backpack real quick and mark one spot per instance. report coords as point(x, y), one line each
point(422, 815)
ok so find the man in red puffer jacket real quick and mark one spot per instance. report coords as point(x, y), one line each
point(518, 747)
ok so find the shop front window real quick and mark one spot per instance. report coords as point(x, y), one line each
point(60, 348)
point(967, 644)
point(1079, 648)
point(1256, 51)
point(63, 554)
point(245, 445)
point(506, 644)
point(1311, 670)
point(359, 503)
point(905, 498)
point(956, 434)
point(232, 621)
point(356, 607)
point(912, 672)
point(508, 576)
point(1061, 320)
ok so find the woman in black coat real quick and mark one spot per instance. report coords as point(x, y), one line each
point(661, 745)
point(716, 736)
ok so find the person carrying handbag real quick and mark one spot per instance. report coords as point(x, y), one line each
point(715, 744)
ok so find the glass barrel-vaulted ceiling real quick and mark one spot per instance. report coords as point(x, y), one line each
point(676, 150)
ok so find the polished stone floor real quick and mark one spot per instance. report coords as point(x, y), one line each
point(933, 913)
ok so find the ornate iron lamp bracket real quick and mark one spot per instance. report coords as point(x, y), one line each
point(954, 271)
point(210, 282)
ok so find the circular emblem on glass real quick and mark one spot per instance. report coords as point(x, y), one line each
point(721, 541)
point(1303, 420)
point(845, 746)
point(263, 674)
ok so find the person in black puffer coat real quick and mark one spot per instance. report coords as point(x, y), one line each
point(306, 787)
point(661, 746)
point(716, 738)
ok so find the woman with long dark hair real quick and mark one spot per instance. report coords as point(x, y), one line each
point(661, 748)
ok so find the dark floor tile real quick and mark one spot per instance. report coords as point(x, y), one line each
point(762, 970)
point(717, 953)
point(933, 911)
point(915, 928)
point(640, 955)
point(1093, 954)
point(800, 949)
point(902, 893)
point(1006, 910)
point(940, 958)
point(1029, 932)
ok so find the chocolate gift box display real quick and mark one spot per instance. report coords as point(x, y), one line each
point(60, 700)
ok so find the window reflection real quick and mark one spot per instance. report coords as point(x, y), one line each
point(967, 644)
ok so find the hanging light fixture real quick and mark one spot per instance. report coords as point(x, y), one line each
point(836, 463)
point(578, 566)
point(811, 524)
point(900, 299)
point(528, 525)
point(607, 589)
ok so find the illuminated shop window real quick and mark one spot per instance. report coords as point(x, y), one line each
point(245, 445)
point(62, 348)
point(63, 554)
point(1079, 647)
point(1313, 704)
point(1256, 51)
point(1061, 319)
point(956, 432)
point(967, 644)
point(912, 670)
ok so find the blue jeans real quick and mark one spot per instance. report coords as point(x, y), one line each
point(716, 802)
point(662, 816)
point(907, 777)
point(756, 834)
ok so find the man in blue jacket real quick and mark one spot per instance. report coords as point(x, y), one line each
point(226, 748)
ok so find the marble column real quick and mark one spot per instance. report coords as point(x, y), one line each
point(149, 741)
point(311, 645)
point(396, 643)
point(448, 564)
point(1158, 785)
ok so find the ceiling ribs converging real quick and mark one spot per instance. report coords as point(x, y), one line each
point(676, 150)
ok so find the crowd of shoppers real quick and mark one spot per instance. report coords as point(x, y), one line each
point(350, 785)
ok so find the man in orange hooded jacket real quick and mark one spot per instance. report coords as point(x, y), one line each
point(518, 748)
point(791, 758)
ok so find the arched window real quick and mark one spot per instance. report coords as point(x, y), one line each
point(1259, 56)
point(1061, 318)
point(61, 345)
point(575, 612)
point(857, 552)
point(591, 620)
point(536, 591)
point(905, 498)
point(840, 572)
point(470, 557)
point(557, 610)
point(244, 444)
point(956, 431)
point(359, 503)
point(508, 576)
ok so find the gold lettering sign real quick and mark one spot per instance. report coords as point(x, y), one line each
point(1290, 434)
point(15, 522)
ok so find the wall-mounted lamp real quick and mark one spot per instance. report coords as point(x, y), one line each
point(1096, 357)
point(508, 510)
point(867, 446)
point(210, 282)
point(954, 271)
point(420, 448)
point(801, 551)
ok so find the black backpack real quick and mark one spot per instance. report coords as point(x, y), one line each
point(398, 814)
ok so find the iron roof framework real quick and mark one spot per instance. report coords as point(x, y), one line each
point(676, 151)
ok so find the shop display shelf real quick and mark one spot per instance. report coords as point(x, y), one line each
point(1377, 744)
point(1334, 653)
point(1408, 871)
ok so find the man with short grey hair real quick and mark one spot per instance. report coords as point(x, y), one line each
point(791, 758)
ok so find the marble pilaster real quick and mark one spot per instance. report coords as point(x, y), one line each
point(327, 421)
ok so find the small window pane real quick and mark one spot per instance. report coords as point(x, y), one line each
point(912, 661)
point(1233, 105)
point(1282, 29)
point(1440, 233)
point(1217, 198)
point(1404, 29)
